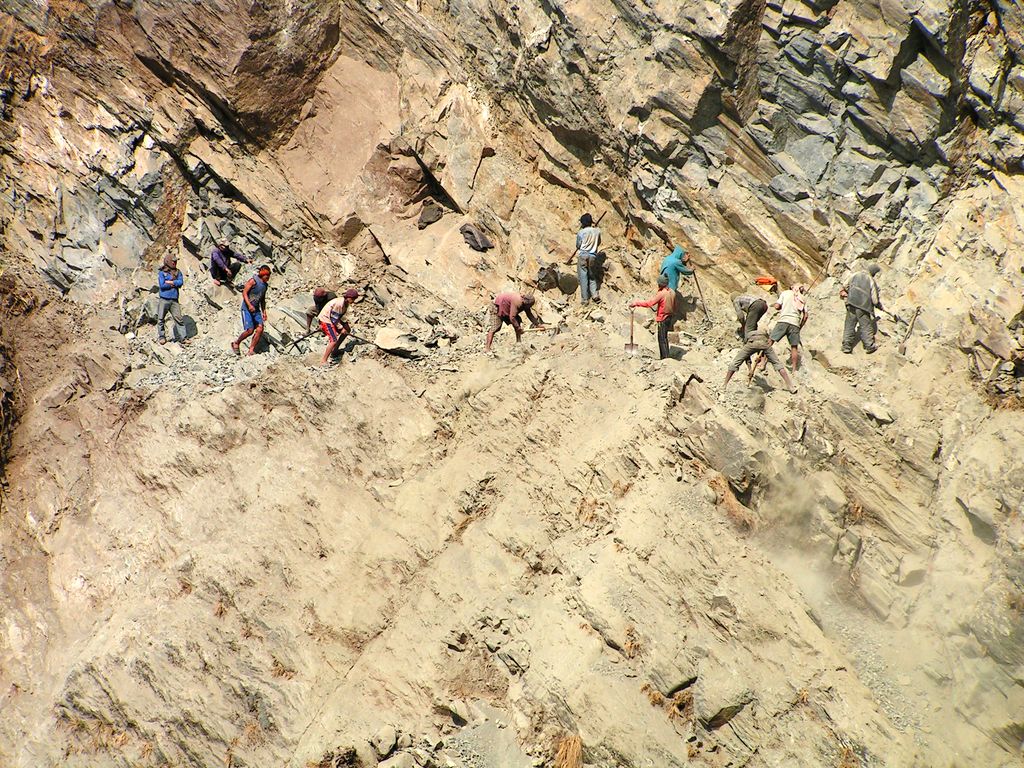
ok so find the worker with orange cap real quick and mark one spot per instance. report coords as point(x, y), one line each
point(750, 307)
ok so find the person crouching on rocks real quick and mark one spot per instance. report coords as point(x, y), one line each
point(169, 280)
point(222, 268)
point(757, 341)
point(333, 324)
point(320, 298)
point(254, 308)
point(505, 309)
point(750, 307)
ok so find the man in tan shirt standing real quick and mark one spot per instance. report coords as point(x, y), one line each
point(588, 243)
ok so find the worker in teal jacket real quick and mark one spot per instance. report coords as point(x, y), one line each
point(674, 265)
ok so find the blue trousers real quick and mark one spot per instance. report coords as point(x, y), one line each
point(586, 271)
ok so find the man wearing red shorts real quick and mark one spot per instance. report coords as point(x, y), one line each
point(333, 324)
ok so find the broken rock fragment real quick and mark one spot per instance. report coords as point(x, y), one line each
point(878, 412)
point(399, 342)
point(383, 742)
point(475, 237)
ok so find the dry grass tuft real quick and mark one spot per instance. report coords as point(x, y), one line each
point(620, 489)
point(220, 610)
point(633, 646)
point(740, 516)
point(277, 669)
point(92, 735)
point(677, 707)
point(15, 299)
point(681, 706)
point(855, 514)
point(653, 695)
point(588, 510)
point(1000, 402)
point(253, 733)
point(848, 759)
point(570, 753)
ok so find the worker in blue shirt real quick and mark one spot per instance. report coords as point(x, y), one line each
point(674, 265)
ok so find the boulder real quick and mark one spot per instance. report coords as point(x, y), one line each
point(400, 342)
point(878, 412)
point(384, 740)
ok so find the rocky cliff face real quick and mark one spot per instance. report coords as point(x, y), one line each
point(486, 562)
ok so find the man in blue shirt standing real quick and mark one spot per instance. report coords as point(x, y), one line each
point(169, 280)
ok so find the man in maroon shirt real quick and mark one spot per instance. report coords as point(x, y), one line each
point(663, 303)
point(506, 308)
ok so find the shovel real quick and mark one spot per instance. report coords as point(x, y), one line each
point(703, 303)
point(902, 348)
point(631, 348)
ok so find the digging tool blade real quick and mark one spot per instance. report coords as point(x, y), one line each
point(631, 348)
point(760, 361)
point(703, 303)
point(902, 348)
point(302, 338)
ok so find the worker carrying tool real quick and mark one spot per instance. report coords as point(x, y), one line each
point(755, 343)
point(860, 292)
point(505, 310)
point(320, 298)
point(333, 324)
point(792, 306)
point(663, 303)
point(588, 243)
point(750, 307)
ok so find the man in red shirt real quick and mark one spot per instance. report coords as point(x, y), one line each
point(662, 303)
point(505, 309)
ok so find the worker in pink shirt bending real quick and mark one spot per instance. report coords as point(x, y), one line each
point(505, 309)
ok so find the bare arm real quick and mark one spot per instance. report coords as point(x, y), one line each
point(648, 304)
point(245, 294)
